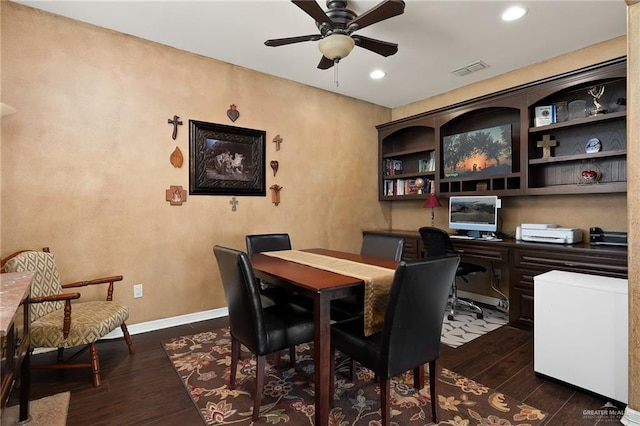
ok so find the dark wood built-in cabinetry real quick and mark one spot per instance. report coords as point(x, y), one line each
point(410, 142)
point(520, 261)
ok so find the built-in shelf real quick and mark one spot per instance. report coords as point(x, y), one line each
point(579, 121)
point(409, 141)
point(576, 157)
point(403, 153)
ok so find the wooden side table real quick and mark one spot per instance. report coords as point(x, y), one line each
point(14, 334)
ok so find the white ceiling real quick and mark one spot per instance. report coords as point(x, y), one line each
point(434, 38)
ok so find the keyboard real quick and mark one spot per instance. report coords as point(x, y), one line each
point(462, 237)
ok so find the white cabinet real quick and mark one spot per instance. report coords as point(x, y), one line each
point(581, 331)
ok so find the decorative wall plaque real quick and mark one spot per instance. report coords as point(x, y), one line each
point(176, 195)
point(176, 158)
point(275, 193)
point(233, 113)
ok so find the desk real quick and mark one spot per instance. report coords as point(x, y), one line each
point(520, 261)
point(321, 286)
point(14, 332)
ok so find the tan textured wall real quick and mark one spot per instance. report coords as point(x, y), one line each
point(633, 173)
point(85, 161)
point(608, 212)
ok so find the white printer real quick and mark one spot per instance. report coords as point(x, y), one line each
point(548, 233)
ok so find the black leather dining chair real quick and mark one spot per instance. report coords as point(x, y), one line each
point(411, 332)
point(258, 243)
point(382, 246)
point(272, 294)
point(436, 242)
point(262, 330)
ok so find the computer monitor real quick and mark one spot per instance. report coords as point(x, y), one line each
point(475, 214)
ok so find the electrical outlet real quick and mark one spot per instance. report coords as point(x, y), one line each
point(137, 291)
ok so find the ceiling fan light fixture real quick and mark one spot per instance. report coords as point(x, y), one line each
point(336, 46)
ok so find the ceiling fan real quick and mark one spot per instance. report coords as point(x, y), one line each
point(337, 25)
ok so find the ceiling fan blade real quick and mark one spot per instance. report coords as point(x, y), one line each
point(385, 10)
point(313, 9)
point(325, 63)
point(380, 47)
point(291, 40)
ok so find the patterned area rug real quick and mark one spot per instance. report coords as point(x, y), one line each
point(47, 411)
point(465, 326)
point(202, 362)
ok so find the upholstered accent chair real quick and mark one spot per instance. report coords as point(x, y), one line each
point(57, 322)
point(411, 332)
point(262, 330)
point(436, 243)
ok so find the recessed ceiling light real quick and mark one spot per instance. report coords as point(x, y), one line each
point(377, 74)
point(513, 13)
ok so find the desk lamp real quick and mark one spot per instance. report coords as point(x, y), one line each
point(432, 201)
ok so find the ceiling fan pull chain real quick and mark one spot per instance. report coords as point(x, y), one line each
point(335, 72)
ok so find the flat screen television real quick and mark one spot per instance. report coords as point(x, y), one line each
point(474, 214)
point(478, 153)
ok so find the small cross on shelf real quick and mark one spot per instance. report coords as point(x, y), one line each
point(546, 143)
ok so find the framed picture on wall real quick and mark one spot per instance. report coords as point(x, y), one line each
point(226, 160)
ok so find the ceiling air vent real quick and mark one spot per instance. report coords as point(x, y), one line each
point(468, 69)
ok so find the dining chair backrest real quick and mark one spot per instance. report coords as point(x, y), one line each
point(415, 312)
point(383, 246)
point(258, 243)
point(241, 290)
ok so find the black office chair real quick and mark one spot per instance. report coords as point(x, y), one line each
point(411, 332)
point(436, 243)
point(262, 330)
point(382, 246)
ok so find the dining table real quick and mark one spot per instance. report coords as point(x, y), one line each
point(322, 286)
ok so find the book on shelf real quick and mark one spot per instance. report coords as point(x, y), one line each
point(394, 187)
point(388, 188)
point(428, 164)
point(431, 165)
point(392, 167)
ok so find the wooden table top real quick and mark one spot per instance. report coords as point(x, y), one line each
point(312, 278)
point(14, 287)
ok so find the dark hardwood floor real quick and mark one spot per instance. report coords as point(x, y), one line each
point(144, 389)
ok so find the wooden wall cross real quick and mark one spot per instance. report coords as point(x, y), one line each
point(175, 123)
point(546, 143)
point(277, 140)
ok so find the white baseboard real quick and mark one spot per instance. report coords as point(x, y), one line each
point(144, 327)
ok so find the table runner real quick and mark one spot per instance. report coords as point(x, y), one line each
point(377, 281)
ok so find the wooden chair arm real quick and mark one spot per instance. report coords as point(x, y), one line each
point(54, 297)
point(110, 280)
point(67, 297)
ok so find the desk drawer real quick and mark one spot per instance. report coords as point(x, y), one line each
point(483, 251)
point(599, 264)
